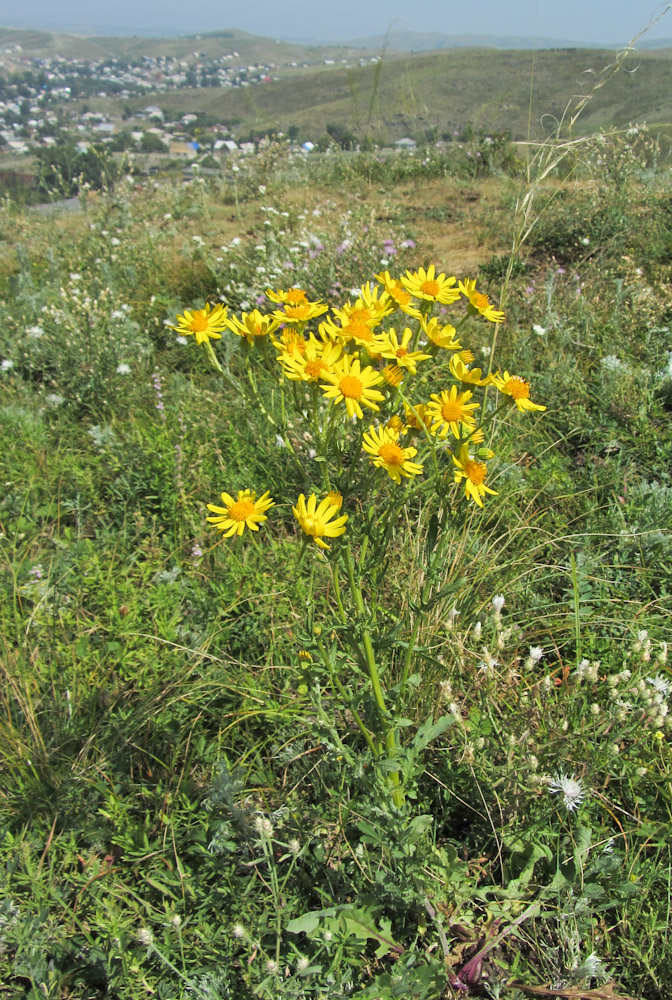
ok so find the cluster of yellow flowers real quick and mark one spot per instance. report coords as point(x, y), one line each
point(358, 358)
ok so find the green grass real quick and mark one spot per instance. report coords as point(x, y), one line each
point(183, 799)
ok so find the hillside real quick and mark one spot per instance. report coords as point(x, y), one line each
point(443, 91)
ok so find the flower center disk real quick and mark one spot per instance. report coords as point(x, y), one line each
point(351, 387)
point(241, 510)
point(391, 453)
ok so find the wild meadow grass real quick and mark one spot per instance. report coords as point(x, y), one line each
point(203, 794)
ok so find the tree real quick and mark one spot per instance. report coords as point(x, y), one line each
point(150, 143)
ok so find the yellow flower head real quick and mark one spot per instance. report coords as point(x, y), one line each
point(430, 286)
point(518, 389)
point(291, 343)
point(396, 291)
point(440, 335)
point(236, 515)
point(370, 309)
point(463, 374)
point(350, 382)
point(311, 364)
point(417, 416)
point(395, 423)
point(335, 498)
point(393, 375)
point(450, 410)
point(205, 324)
point(301, 312)
point(292, 297)
point(479, 302)
point(317, 521)
point(473, 473)
point(355, 325)
point(398, 350)
point(386, 453)
point(252, 325)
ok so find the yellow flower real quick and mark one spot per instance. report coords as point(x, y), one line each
point(449, 410)
point(442, 336)
point(398, 350)
point(236, 515)
point(463, 374)
point(203, 323)
point(355, 326)
point(518, 389)
point(474, 474)
point(301, 312)
point(398, 294)
point(292, 297)
point(371, 309)
point(311, 364)
point(388, 454)
point(393, 375)
point(481, 303)
point(253, 325)
point(395, 423)
point(335, 498)
point(417, 416)
point(317, 521)
point(350, 382)
point(430, 286)
point(291, 344)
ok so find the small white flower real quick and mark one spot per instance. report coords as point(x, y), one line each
point(75, 277)
point(262, 189)
point(176, 921)
point(35, 332)
point(498, 603)
point(123, 369)
point(280, 441)
point(181, 340)
point(659, 684)
point(302, 964)
point(54, 399)
point(539, 330)
point(238, 931)
point(585, 240)
point(573, 792)
point(452, 615)
point(145, 937)
point(536, 653)
point(271, 967)
point(117, 314)
point(6, 364)
point(478, 628)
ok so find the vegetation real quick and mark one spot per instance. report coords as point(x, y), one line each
point(200, 795)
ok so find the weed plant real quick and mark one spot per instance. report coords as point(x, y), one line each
point(190, 808)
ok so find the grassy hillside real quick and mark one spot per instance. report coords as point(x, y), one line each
point(252, 48)
point(410, 93)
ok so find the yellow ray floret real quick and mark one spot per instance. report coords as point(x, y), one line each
point(206, 324)
point(350, 382)
point(236, 515)
point(440, 334)
point(313, 363)
point(471, 375)
point(451, 411)
point(301, 312)
point(473, 473)
point(292, 297)
point(417, 416)
point(252, 325)
point(396, 291)
point(430, 286)
point(518, 389)
point(398, 350)
point(386, 453)
point(317, 521)
point(479, 302)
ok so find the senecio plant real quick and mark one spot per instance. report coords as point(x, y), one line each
point(398, 418)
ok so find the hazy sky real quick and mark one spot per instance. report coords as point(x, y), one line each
point(607, 21)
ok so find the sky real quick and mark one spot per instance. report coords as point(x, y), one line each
point(585, 21)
